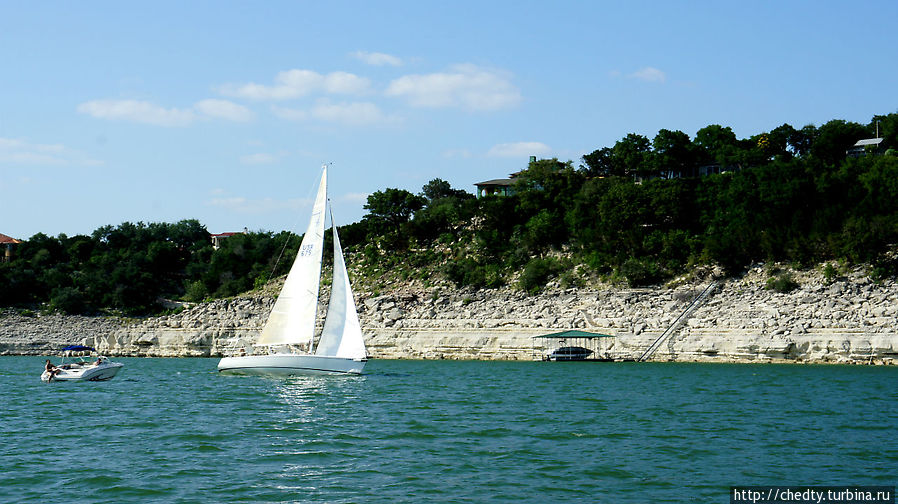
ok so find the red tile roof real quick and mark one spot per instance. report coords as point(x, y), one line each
point(8, 239)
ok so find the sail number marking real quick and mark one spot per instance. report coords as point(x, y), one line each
point(306, 250)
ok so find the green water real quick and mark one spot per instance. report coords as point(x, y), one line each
point(173, 430)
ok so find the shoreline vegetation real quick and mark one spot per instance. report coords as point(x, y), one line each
point(799, 226)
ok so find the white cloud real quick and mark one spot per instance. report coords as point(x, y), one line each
point(298, 83)
point(290, 114)
point(148, 113)
point(348, 113)
point(15, 151)
point(137, 111)
point(224, 109)
point(649, 74)
point(519, 149)
point(353, 113)
point(345, 83)
point(466, 86)
point(377, 59)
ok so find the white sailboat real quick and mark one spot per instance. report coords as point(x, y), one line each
point(289, 332)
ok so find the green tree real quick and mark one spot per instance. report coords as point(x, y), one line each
point(717, 144)
point(393, 207)
point(600, 163)
point(803, 139)
point(834, 138)
point(438, 189)
point(779, 142)
point(632, 156)
point(674, 153)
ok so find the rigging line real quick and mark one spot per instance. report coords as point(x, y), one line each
point(292, 232)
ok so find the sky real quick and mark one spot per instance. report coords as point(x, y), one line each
point(224, 111)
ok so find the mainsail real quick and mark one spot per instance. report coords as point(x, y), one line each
point(292, 320)
point(342, 333)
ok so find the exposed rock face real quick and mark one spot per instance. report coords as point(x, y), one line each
point(850, 320)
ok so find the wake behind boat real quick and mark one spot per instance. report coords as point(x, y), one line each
point(289, 332)
point(81, 369)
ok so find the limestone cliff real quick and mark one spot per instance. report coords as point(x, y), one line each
point(849, 320)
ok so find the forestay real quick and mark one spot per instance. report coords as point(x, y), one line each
point(292, 320)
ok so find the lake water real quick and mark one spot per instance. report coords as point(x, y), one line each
point(174, 430)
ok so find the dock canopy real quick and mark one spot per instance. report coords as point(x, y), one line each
point(575, 334)
point(572, 345)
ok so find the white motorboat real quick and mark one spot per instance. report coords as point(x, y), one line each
point(569, 353)
point(85, 368)
point(288, 338)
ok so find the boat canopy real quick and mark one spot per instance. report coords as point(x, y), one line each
point(78, 348)
point(572, 345)
point(575, 334)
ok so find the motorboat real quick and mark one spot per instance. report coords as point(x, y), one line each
point(569, 353)
point(83, 366)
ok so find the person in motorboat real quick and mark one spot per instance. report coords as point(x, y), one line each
point(99, 361)
point(51, 369)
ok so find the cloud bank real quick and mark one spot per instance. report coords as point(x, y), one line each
point(466, 86)
point(21, 152)
point(148, 113)
point(297, 83)
point(377, 59)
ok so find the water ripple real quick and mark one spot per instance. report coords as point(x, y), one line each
point(173, 430)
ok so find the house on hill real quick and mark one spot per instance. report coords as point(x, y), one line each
point(867, 145)
point(496, 187)
point(499, 187)
point(7, 244)
point(217, 239)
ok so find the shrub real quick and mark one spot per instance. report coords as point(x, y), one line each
point(537, 273)
point(640, 273)
point(68, 300)
point(782, 283)
point(830, 273)
point(196, 292)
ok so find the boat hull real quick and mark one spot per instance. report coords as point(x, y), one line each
point(290, 365)
point(103, 372)
point(569, 353)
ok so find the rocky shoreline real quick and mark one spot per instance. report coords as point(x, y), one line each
point(845, 320)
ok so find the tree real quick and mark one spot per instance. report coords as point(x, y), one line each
point(802, 140)
point(438, 189)
point(393, 207)
point(600, 163)
point(717, 145)
point(632, 155)
point(887, 127)
point(674, 152)
point(834, 138)
point(778, 142)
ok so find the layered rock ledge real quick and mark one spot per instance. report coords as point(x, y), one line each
point(848, 320)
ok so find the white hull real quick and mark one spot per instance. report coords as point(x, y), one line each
point(105, 371)
point(290, 365)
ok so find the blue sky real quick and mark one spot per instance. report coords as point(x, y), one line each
point(224, 111)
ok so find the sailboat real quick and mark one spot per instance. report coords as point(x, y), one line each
point(289, 332)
